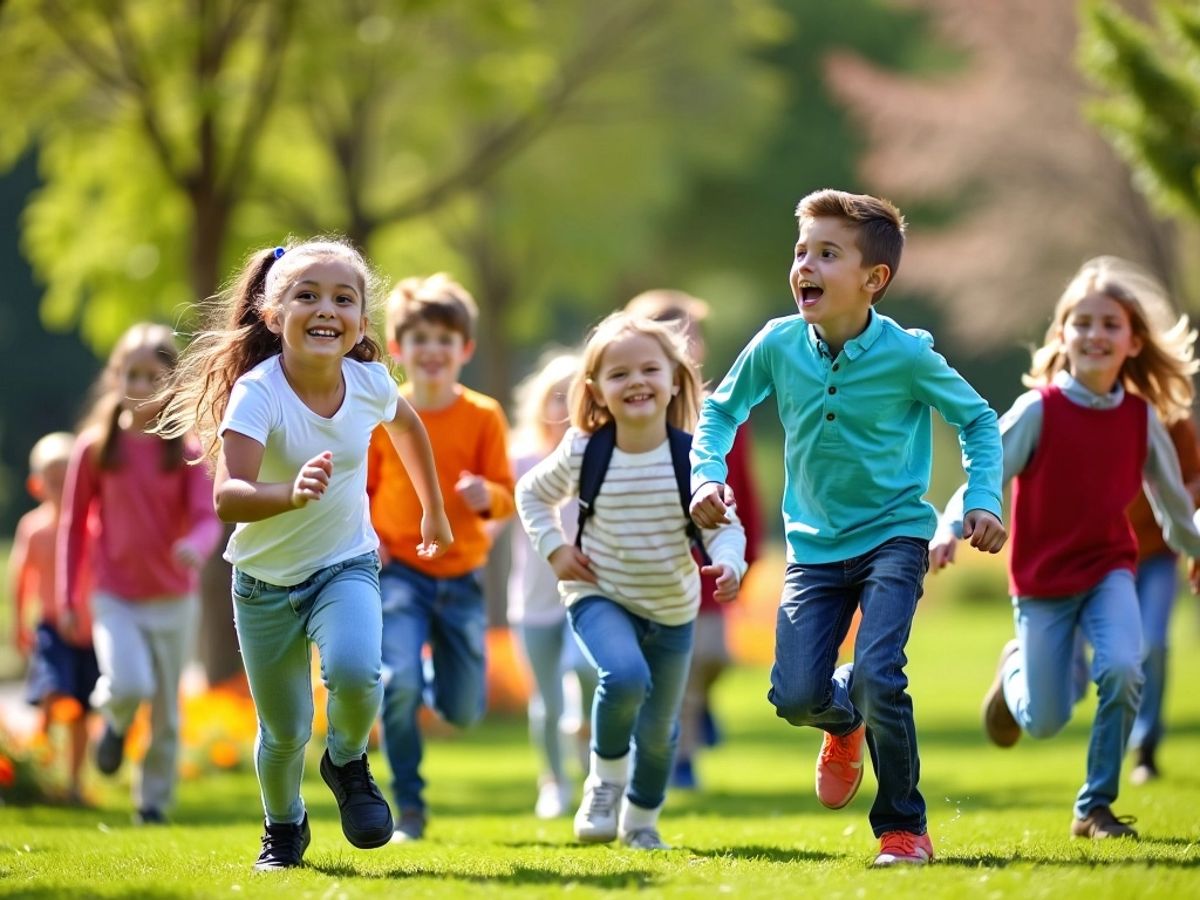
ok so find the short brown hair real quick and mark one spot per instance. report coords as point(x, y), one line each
point(438, 299)
point(879, 224)
point(667, 305)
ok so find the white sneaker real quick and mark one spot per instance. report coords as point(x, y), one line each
point(554, 800)
point(644, 839)
point(596, 820)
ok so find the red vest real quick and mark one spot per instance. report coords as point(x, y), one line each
point(1069, 527)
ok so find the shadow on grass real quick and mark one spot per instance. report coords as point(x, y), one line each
point(1000, 861)
point(770, 854)
point(520, 875)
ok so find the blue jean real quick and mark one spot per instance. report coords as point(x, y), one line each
point(642, 668)
point(814, 616)
point(1157, 585)
point(1038, 683)
point(337, 609)
point(552, 651)
point(449, 615)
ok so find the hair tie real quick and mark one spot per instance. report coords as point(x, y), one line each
point(278, 251)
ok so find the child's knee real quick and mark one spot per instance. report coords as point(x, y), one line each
point(625, 687)
point(1122, 680)
point(285, 740)
point(797, 703)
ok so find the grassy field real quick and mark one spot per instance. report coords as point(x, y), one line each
point(998, 819)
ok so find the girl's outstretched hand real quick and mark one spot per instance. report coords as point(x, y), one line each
point(941, 550)
point(313, 479)
point(436, 536)
point(727, 581)
point(984, 531)
point(569, 564)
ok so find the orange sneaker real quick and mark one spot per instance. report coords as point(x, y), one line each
point(904, 848)
point(839, 768)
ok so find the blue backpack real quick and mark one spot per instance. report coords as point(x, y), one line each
point(596, 457)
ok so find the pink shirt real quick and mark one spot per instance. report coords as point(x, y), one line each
point(124, 522)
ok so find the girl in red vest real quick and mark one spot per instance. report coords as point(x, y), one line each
point(1079, 447)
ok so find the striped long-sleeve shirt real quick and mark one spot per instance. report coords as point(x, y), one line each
point(636, 537)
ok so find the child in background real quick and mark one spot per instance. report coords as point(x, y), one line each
point(430, 327)
point(535, 609)
point(710, 651)
point(630, 582)
point(63, 664)
point(854, 392)
point(285, 391)
point(1080, 446)
point(141, 519)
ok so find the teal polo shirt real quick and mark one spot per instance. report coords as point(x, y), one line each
point(857, 433)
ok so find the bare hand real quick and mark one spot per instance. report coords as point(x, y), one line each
point(941, 550)
point(436, 536)
point(570, 564)
point(185, 554)
point(984, 531)
point(727, 582)
point(474, 492)
point(313, 479)
point(710, 504)
point(1194, 575)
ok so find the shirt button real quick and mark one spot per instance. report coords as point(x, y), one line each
point(836, 366)
point(832, 389)
point(829, 417)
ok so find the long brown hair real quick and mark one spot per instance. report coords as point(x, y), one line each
point(236, 338)
point(683, 410)
point(1162, 372)
point(108, 393)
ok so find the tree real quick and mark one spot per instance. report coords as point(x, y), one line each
point(1151, 82)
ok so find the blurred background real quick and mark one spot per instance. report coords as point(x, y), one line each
point(559, 157)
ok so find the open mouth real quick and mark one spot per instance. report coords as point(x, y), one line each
point(809, 293)
point(323, 333)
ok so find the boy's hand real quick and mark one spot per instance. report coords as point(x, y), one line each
point(436, 536)
point(984, 531)
point(570, 564)
point(473, 491)
point(941, 550)
point(185, 554)
point(710, 504)
point(1194, 574)
point(727, 581)
point(313, 479)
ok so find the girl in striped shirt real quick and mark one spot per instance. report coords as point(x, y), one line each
point(631, 587)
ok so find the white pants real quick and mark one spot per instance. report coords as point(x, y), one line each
point(141, 647)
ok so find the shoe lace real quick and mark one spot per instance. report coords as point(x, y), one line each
point(899, 843)
point(839, 749)
point(1103, 815)
point(281, 840)
point(605, 795)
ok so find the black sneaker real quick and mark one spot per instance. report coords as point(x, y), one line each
point(366, 816)
point(283, 846)
point(149, 815)
point(110, 751)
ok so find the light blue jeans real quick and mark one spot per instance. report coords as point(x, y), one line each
point(1039, 686)
point(449, 615)
point(642, 668)
point(1157, 586)
point(338, 610)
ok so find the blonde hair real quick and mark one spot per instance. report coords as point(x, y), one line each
point(532, 430)
point(1162, 372)
point(684, 407)
point(236, 338)
point(52, 448)
point(108, 392)
point(438, 299)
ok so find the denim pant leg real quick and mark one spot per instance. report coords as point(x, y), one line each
point(543, 647)
point(1112, 625)
point(1040, 684)
point(408, 599)
point(1157, 585)
point(168, 629)
point(458, 641)
point(668, 652)
point(891, 576)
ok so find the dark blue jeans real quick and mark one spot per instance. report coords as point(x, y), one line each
point(815, 612)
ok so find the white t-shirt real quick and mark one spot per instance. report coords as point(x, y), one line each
point(287, 548)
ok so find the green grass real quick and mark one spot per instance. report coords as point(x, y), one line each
point(998, 819)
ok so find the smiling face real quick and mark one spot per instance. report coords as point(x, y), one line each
point(634, 381)
point(321, 315)
point(830, 283)
point(141, 376)
point(432, 354)
point(1098, 338)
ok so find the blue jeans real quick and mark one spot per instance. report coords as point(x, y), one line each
point(338, 610)
point(642, 667)
point(449, 615)
point(814, 616)
point(1157, 584)
point(1038, 683)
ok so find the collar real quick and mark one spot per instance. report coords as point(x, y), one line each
point(1079, 394)
point(856, 346)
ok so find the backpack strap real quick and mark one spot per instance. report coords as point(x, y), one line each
point(681, 448)
point(596, 457)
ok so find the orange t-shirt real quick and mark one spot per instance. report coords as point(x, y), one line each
point(469, 435)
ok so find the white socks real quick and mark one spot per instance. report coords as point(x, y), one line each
point(635, 818)
point(614, 771)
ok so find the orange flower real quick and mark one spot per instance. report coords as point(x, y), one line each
point(224, 754)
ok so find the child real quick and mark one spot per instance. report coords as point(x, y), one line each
point(63, 663)
point(141, 520)
point(629, 582)
point(854, 392)
point(1080, 446)
point(535, 610)
point(710, 651)
point(285, 392)
point(430, 324)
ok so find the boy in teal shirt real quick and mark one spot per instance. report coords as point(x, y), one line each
point(854, 392)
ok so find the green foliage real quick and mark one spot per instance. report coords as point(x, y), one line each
point(1150, 111)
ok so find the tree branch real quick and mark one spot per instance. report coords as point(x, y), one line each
point(89, 56)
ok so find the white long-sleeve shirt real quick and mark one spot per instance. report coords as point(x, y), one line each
point(636, 537)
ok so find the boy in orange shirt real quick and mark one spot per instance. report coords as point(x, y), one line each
point(430, 325)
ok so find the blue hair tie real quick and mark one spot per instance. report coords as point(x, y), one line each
point(278, 251)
